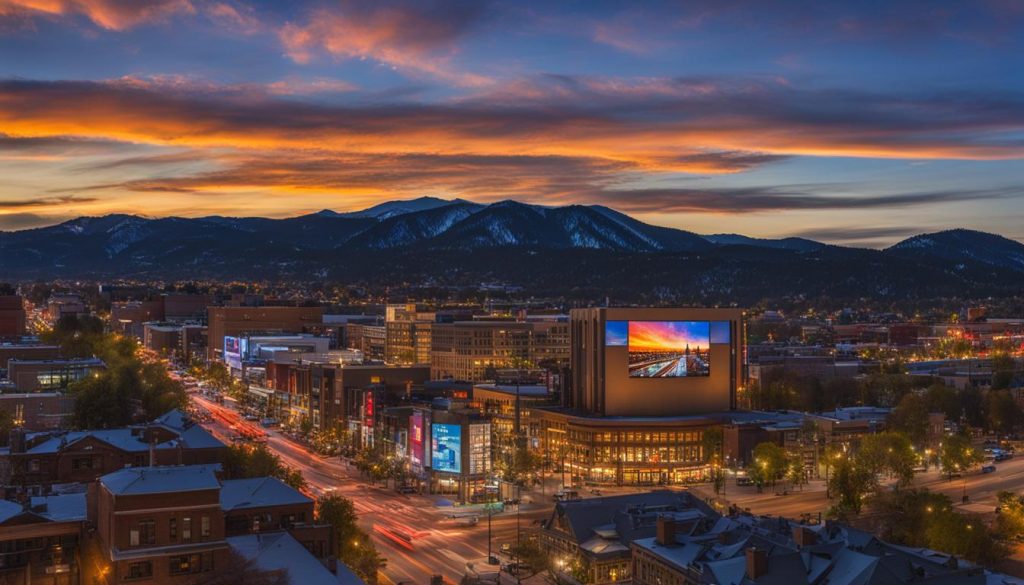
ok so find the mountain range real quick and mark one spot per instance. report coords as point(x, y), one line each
point(571, 250)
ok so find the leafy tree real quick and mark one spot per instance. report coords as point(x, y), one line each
point(528, 552)
point(712, 442)
point(965, 535)
point(103, 401)
point(851, 483)
point(352, 545)
point(1002, 414)
point(1003, 370)
point(958, 455)
point(942, 398)
point(910, 417)
point(890, 453)
point(905, 515)
point(245, 461)
point(1010, 520)
point(769, 465)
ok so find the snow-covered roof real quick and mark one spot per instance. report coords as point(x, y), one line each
point(277, 551)
point(60, 508)
point(237, 494)
point(161, 480)
point(9, 510)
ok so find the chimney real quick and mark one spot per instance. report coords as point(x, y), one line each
point(804, 536)
point(666, 534)
point(757, 563)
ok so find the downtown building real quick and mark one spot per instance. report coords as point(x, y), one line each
point(646, 384)
point(481, 350)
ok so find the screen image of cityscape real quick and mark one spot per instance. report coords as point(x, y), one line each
point(446, 445)
point(669, 349)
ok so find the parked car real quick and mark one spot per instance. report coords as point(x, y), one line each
point(744, 481)
point(988, 469)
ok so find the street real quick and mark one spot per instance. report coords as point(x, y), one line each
point(417, 536)
point(436, 544)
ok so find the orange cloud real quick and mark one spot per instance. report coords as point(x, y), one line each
point(108, 14)
point(383, 32)
point(602, 141)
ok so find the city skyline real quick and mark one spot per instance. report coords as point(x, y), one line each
point(855, 125)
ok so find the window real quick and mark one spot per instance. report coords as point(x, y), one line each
point(186, 529)
point(256, 523)
point(81, 463)
point(133, 537)
point(204, 529)
point(186, 564)
point(139, 570)
point(172, 529)
point(147, 532)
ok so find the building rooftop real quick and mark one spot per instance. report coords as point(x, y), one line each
point(60, 508)
point(161, 480)
point(239, 494)
point(279, 551)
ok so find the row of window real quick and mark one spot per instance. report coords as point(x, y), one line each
point(176, 565)
point(144, 533)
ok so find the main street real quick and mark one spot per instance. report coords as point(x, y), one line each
point(439, 545)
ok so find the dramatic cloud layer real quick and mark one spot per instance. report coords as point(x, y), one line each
point(679, 112)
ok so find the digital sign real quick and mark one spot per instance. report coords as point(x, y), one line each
point(446, 447)
point(616, 333)
point(668, 349)
point(233, 352)
point(416, 438)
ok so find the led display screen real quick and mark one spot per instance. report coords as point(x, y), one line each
point(668, 349)
point(616, 333)
point(416, 438)
point(446, 447)
point(233, 352)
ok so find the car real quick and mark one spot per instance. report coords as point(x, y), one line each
point(505, 548)
point(744, 481)
point(988, 469)
point(406, 489)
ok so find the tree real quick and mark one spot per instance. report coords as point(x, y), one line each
point(965, 535)
point(942, 398)
point(890, 453)
point(246, 461)
point(769, 465)
point(528, 552)
point(1001, 412)
point(957, 455)
point(851, 483)
point(352, 545)
point(712, 442)
point(910, 417)
point(1010, 520)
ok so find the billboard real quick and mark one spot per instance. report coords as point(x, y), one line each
point(416, 438)
point(669, 349)
point(446, 447)
point(233, 352)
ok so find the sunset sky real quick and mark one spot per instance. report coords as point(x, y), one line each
point(668, 335)
point(849, 122)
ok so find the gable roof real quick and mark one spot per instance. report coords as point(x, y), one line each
point(259, 492)
point(161, 480)
point(277, 551)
